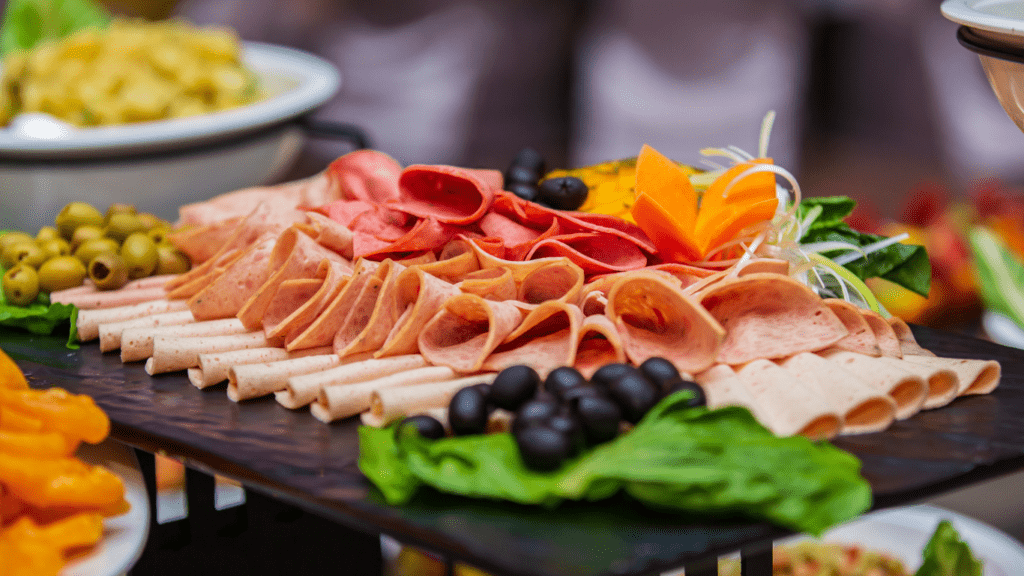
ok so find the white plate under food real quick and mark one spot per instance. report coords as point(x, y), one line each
point(903, 533)
point(1000, 20)
point(124, 536)
point(295, 82)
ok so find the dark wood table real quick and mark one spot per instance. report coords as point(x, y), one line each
point(293, 458)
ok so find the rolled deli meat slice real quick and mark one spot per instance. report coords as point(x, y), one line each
point(115, 298)
point(861, 338)
point(654, 318)
point(790, 405)
point(973, 376)
point(907, 389)
point(466, 330)
point(908, 343)
point(863, 408)
point(943, 383)
point(249, 381)
point(547, 338)
point(388, 405)
point(89, 321)
point(446, 193)
point(723, 387)
point(110, 333)
point(176, 353)
point(598, 344)
point(214, 366)
point(769, 316)
point(491, 283)
point(888, 343)
point(334, 277)
point(419, 296)
point(374, 314)
point(137, 343)
point(342, 401)
point(561, 281)
point(301, 390)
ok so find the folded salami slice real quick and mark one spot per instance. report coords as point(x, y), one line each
point(594, 303)
point(295, 255)
point(301, 390)
point(457, 259)
point(427, 234)
point(171, 354)
point(595, 252)
point(490, 283)
point(388, 405)
point(466, 330)
point(213, 367)
point(373, 314)
point(334, 276)
point(973, 376)
point(547, 338)
point(654, 318)
point(942, 382)
point(336, 402)
point(89, 321)
point(789, 404)
point(861, 338)
point(290, 295)
point(110, 333)
point(249, 381)
point(313, 191)
point(561, 281)
point(366, 175)
point(888, 343)
point(862, 407)
point(908, 390)
point(330, 234)
point(446, 193)
point(326, 325)
point(908, 344)
point(598, 344)
point(137, 343)
point(210, 271)
point(770, 316)
point(224, 297)
point(201, 242)
point(419, 296)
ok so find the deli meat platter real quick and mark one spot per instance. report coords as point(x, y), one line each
point(297, 458)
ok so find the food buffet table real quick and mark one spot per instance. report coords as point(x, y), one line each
point(297, 459)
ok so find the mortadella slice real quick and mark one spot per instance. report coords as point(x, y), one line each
point(861, 338)
point(373, 315)
point(419, 296)
point(466, 330)
point(491, 283)
point(768, 316)
point(888, 343)
point(226, 295)
point(654, 318)
point(562, 281)
point(907, 389)
point(322, 331)
point(290, 295)
point(334, 276)
point(547, 338)
point(598, 344)
point(908, 343)
point(790, 405)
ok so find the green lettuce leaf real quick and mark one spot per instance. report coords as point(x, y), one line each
point(1000, 275)
point(903, 264)
point(41, 317)
point(834, 209)
point(715, 463)
point(947, 555)
point(29, 22)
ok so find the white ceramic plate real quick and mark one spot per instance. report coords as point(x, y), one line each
point(1002, 330)
point(904, 532)
point(1001, 20)
point(296, 83)
point(124, 536)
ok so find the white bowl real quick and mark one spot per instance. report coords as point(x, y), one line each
point(161, 165)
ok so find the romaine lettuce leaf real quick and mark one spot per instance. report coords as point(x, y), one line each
point(40, 317)
point(947, 555)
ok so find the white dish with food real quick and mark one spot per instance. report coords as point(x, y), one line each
point(124, 536)
point(1001, 20)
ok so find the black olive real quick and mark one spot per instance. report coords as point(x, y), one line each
point(698, 393)
point(427, 426)
point(521, 174)
point(523, 190)
point(599, 417)
point(661, 372)
point(529, 158)
point(572, 395)
point(564, 193)
point(635, 395)
point(513, 386)
point(484, 389)
point(609, 373)
point(542, 448)
point(573, 430)
point(534, 412)
point(561, 379)
point(467, 412)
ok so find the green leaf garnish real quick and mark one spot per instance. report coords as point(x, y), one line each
point(947, 555)
point(41, 317)
point(27, 23)
point(714, 463)
point(1000, 275)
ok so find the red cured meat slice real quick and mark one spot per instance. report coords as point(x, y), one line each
point(427, 235)
point(594, 252)
point(512, 232)
point(366, 175)
point(446, 193)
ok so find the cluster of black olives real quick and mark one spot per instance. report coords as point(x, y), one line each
point(526, 170)
point(557, 418)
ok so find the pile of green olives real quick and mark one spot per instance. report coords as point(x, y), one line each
point(109, 249)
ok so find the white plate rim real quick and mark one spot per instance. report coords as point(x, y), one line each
point(997, 549)
point(970, 13)
point(317, 82)
point(124, 536)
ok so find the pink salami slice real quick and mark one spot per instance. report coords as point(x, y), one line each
point(561, 281)
point(374, 313)
point(418, 296)
point(466, 330)
point(366, 175)
point(334, 276)
point(290, 295)
point(226, 295)
point(598, 344)
point(321, 332)
point(596, 253)
point(547, 338)
point(861, 339)
point(446, 193)
point(312, 191)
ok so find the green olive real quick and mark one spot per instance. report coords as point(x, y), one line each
point(150, 221)
point(139, 254)
point(77, 214)
point(28, 253)
point(159, 234)
point(108, 271)
point(47, 233)
point(13, 237)
point(122, 226)
point(118, 209)
point(85, 233)
point(21, 285)
point(61, 273)
point(55, 247)
point(170, 260)
point(93, 248)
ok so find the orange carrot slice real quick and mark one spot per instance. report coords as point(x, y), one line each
point(731, 222)
point(668, 185)
point(674, 241)
point(753, 187)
